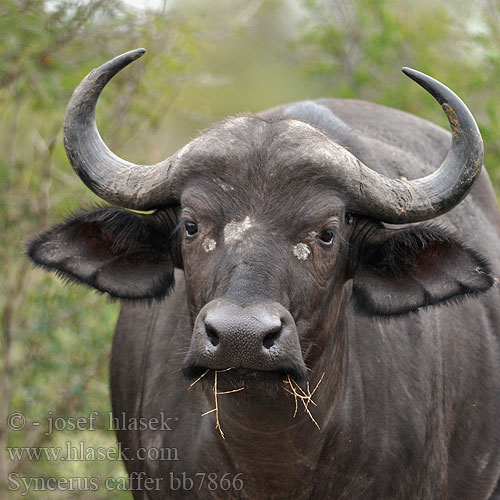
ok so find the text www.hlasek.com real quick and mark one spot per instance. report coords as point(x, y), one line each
point(71, 453)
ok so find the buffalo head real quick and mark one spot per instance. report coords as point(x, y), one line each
point(276, 227)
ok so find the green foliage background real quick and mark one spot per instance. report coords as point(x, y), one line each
point(205, 60)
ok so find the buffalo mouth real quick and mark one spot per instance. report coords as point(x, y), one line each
point(237, 377)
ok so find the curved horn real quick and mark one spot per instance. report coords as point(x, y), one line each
point(399, 201)
point(113, 179)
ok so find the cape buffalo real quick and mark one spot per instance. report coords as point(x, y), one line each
point(333, 331)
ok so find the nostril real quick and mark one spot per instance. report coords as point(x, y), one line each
point(271, 338)
point(212, 335)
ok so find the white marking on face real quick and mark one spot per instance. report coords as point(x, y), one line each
point(234, 231)
point(301, 251)
point(209, 244)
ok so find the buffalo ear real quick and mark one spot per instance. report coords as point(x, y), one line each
point(125, 254)
point(402, 270)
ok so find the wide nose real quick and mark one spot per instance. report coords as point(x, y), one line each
point(250, 329)
point(258, 337)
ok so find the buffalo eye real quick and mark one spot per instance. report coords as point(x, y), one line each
point(326, 237)
point(191, 229)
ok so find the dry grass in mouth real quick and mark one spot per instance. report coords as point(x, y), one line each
point(216, 396)
point(297, 392)
point(304, 396)
point(199, 378)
